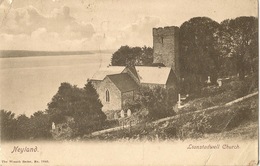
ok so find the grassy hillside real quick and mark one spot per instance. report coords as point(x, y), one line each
point(239, 120)
point(214, 95)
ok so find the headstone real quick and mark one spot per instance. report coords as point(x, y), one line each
point(122, 113)
point(129, 112)
point(179, 100)
point(53, 126)
point(219, 81)
point(208, 81)
point(176, 108)
point(115, 116)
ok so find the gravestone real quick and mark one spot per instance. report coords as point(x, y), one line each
point(208, 81)
point(219, 81)
point(53, 126)
point(129, 112)
point(115, 116)
point(179, 100)
point(122, 113)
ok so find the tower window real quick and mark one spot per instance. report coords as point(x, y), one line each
point(107, 96)
point(162, 40)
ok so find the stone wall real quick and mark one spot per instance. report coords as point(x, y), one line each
point(117, 99)
point(166, 47)
point(115, 95)
point(172, 81)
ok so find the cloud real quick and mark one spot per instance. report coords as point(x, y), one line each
point(26, 20)
point(27, 28)
point(140, 32)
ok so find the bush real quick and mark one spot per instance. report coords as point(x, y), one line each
point(132, 56)
point(81, 104)
point(134, 106)
point(158, 101)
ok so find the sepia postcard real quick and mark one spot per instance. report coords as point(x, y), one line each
point(129, 82)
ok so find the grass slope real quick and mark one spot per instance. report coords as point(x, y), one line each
point(239, 120)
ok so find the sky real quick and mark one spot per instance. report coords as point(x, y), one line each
point(69, 25)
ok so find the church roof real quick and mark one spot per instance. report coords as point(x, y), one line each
point(146, 75)
point(123, 82)
point(110, 70)
point(158, 64)
point(153, 75)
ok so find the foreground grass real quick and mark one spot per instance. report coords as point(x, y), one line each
point(236, 121)
point(194, 121)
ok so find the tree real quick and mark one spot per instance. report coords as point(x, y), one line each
point(199, 56)
point(8, 125)
point(64, 102)
point(40, 125)
point(82, 105)
point(92, 118)
point(147, 56)
point(238, 42)
point(23, 129)
point(158, 101)
point(131, 56)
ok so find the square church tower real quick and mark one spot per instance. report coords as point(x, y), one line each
point(166, 47)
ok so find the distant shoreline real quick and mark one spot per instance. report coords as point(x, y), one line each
point(27, 53)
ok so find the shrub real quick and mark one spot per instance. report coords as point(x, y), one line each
point(83, 105)
point(158, 101)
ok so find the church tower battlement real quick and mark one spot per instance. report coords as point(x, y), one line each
point(166, 47)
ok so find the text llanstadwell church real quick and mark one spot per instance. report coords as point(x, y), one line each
point(117, 85)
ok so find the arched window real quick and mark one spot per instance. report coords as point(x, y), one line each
point(107, 96)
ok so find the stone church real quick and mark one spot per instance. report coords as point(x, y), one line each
point(116, 85)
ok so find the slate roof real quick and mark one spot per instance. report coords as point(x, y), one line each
point(153, 75)
point(133, 70)
point(110, 70)
point(123, 82)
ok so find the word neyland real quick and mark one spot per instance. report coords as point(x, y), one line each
point(25, 149)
